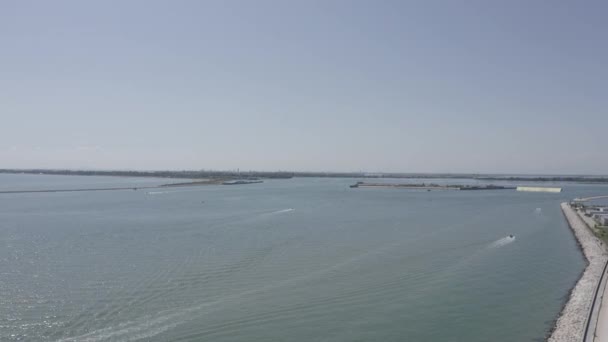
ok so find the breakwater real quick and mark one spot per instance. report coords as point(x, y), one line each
point(75, 190)
point(572, 322)
point(193, 183)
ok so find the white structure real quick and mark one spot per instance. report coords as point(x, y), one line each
point(601, 219)
point(538, 189)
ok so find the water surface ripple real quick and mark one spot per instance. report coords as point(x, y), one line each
point(296, 260)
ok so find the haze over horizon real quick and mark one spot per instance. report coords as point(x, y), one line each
point(423, 86)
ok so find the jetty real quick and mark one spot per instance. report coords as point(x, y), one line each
point(586, 199)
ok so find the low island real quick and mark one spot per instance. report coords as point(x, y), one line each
point(430, 186)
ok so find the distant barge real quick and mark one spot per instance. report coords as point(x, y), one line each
point(538, 189)
point(431, 186)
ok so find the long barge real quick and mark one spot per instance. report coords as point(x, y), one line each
point(424, 186)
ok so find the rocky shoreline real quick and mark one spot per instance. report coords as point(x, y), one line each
point(570, 325)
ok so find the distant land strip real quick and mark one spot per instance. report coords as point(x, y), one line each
point(577, 179)
point(431, 186)
point(72, 190)
point(224, 175)
point(217, 181)
point(227, 175)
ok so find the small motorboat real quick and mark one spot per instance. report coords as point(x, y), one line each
point(511, 236)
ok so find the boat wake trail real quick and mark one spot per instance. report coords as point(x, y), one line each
point(281, 211)
point(502, 242)
point(146, 327)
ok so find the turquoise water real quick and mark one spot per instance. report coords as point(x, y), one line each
point(286, 260)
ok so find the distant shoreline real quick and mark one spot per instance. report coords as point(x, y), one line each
point(199, 174)
point(75, 190)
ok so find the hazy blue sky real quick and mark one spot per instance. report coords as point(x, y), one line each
point(424, 86)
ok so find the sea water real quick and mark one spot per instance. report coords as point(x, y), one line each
point(304, 259)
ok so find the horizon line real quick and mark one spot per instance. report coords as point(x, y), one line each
point(238, 170)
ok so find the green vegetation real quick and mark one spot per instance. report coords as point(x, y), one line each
point(601, 232)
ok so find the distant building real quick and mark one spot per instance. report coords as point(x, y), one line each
point(591, 211)
point(601, 218)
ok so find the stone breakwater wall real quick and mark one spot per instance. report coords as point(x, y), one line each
point(571, 324)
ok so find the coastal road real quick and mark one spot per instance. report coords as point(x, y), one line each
point(601, 329)
point(596, 329)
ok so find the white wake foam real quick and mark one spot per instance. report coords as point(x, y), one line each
point(282, 211)
point(502, 242)
point(276, 212)
point(149, 326)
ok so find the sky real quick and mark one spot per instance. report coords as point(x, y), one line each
point(379, 86)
